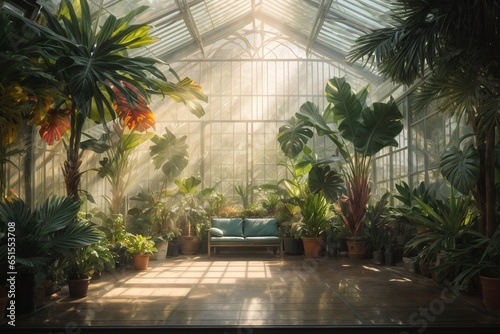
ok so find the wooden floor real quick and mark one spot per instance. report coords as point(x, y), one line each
point(253, 290)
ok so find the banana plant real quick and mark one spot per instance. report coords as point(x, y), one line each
point(358, 133)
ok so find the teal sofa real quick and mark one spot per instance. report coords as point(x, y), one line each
point(245, 232)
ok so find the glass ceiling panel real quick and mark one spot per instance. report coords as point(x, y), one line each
point(298, 15)
point(181, 33)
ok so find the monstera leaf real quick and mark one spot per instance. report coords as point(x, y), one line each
point(370, 130)
point(169, 153)
point(293, 137)
point(327, 180)
point(460, 168)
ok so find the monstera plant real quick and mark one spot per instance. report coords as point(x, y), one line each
point(357, 131)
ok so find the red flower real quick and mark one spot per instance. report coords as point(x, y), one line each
point(135, 116)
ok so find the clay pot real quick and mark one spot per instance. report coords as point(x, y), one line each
point(313, 247)
point(141, 261)
point(78, 288)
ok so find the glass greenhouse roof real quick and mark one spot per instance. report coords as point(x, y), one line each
point(327, 27)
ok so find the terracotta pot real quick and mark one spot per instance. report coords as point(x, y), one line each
point(141, 261)
point(490, 287)
point(78, 288)
point(313, 247)
point(356, 249)
point(190, 245)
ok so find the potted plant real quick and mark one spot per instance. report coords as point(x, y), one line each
point(80, 265)
point(292, 241)
point(189, 213)
point(440, 224)
point(476, 258)
point(376, 229)
point(141, 248)
point(161, 244)
point(358, 133)
point(173, 236)
point(43, 235)
point(316, 213)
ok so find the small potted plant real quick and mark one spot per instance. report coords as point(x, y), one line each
point(173, 236)
point(316, 213)
point(81, 263)
point(141, 248)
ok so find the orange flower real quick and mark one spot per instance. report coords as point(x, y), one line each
point(137, 116)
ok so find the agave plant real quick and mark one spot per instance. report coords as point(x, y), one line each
point(95, 76)
point(357, 131)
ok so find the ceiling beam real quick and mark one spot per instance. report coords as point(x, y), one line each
point(323, 9)
point(190, 23)
point(211, 37)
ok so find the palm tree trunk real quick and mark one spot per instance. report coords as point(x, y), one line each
point(71, 168)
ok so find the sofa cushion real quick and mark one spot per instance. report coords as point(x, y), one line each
point(216, 232)
point(227, 239)
point(257, 240)
point(260, 227)
point(229, 226)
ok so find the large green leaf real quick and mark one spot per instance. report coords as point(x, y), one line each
point(56, 213)
point(378, 128)
point(460, 168)
point(326, 180)
point(169, 153)
point(293, 137)
point(187, 186)
point(347, 108)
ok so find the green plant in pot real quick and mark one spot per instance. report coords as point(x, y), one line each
point(43, 235)
point(477, 258)
point(441, 224)
point(82, 263)
point(316, 213)
point(189, 213)
point(141, 248)
point(376, 229)
point(358, 132)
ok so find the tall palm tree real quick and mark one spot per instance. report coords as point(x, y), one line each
point(90, 62)
point(453, 46)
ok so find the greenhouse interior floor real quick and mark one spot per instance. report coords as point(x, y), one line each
point(251, 290)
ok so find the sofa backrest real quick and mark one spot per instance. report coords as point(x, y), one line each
point(231, 227)
point(260, 227)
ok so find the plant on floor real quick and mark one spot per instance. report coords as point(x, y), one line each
point(316, 213)
point(141, 248)
point(357, 131)
point(377, 228)
point(43, 235)
point(139, 244)
point(476, 257)
point(82, 263)
point(443, 225)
